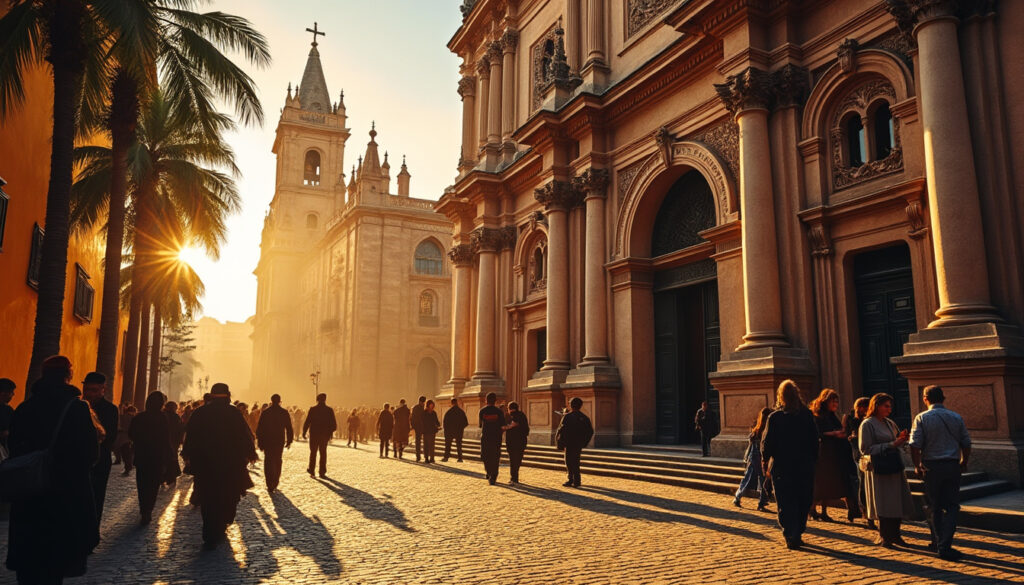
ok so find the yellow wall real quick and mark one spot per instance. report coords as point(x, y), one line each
point(24, 164)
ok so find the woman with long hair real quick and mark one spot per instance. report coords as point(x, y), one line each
point(835, 461)
point(887, 493)
point(789, 449)
point(754, 474)
point(851, 424)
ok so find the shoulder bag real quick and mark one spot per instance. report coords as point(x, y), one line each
point(31, 474)
point(889, 462)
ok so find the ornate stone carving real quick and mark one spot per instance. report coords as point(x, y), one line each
point(561, 75)
point(629, 174)
point(821, 243)
point(592, 182)
point(724, 140)
point(916, 219)
point(541, 55)
point(858, 101)
point(898, 43)
point(751, 88)
point(483, 68)
point(911, 12)
point(508, 235)
point(790, 86)
point(664, 139)
point(485, 239)
point(688, 209)
point(467, 87)
point(687, 273)
point(509, 41)
point(847, 56)
point(536, 268)
point(641, 12)
point(462, 255)
point(494, 53)
point(557, 195)
point(467, 7)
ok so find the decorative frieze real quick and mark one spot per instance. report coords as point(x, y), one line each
point(462, 255)
point(640, 13)
point(558, 195)
point(749, 89)
point(724, 140)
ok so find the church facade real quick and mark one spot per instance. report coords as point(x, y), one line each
point(354, 289)
point(662, 202)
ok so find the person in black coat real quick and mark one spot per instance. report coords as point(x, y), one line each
point(51, 534)
point(517, 430)
point(416, 421)
point(400, 434)
point(385, 426)
point(319, 426)
point(455, 423)
point(274, 433)
point(789, 451)
point(219, 447)
point(176, 433)
point(430, 425)
point(93, 389)
point(573, 434)
point(155, 459)
point(492, 419)
point(7, 387)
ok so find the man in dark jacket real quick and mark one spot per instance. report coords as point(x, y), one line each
point(52, 534)
point(93, 391)
point(706, 424)
point(455, 423)
point(573, 434)
point(273, 434)
point(319, 426)
point(219, 447)
point(416, 420)
point(400, 433)
point(516, 432)
point(492, 419)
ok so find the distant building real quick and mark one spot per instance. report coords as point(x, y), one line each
point(224, 353)
point(353, 280)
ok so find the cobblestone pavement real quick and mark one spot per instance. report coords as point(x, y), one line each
point(377, 521)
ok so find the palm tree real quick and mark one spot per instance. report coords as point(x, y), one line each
point(189, 53)
point(66, 34)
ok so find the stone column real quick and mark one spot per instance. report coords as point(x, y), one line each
point(462, 263)
point(509, 41)
point(595, 32)
point(483, 69)
point(467, 90)
point(486, 241)
point(748, 95)
point(494, 108)
point(593, 184)
point(572, 25)
point(558, 197)
point(953, 200)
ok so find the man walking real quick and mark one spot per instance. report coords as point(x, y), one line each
point(704, 422)
point(516, 432)
point(492, 419)
point(940, 447)
point(274, 434)
point(93, 388)
point(219, 447)
point(319, 426)
point(455, 423)
point(416, 420)
point(573, 434)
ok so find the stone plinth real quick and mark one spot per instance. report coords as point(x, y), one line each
point(473, 397)
point(541, 398)
point(746, 383)
point(598, 386)
point(980, 368)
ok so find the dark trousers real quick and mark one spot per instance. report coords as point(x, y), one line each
point(128, 456)
point(889, 528)
point(419, 443)
point(429, 439)
point(98, 477)
point(353, 437)
point(385, 447)
point(572, 464)
point(705, 443)
point(147, 480)
point(490, 452)
point(318, 445)
point(448, 445)
point(515, 461)
point(794, 494)
point(942, 500)
point(218, 507)
point(272, 466)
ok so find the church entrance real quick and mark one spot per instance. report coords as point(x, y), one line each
point(885, 315)
point(427, 381)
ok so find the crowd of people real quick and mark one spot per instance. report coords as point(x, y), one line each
point(810, 458)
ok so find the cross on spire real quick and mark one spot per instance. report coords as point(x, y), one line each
point(316, 32)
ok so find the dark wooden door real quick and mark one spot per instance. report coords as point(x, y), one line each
point(886, 317)
point(666, 367)
point(712, 343)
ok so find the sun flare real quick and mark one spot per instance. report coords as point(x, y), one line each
point(190, 255)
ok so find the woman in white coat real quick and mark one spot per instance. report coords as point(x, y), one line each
point(887, 493)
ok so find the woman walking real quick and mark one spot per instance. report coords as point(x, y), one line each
point(353, 429)
point(851, 424)
point(153, 453)
point(431, 424)
point(835, 461)
point(754, 475)
point(385, 426)
point(887, 493)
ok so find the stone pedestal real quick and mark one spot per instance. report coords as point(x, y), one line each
point(980, 368)
point(599, 387)
point(541, 398)
point(746, 383)
point(473, 397)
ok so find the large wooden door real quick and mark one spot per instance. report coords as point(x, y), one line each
point(886, 317)
point(666, 367)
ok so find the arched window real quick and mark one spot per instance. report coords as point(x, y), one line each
point(538, 267)
point(428, 309)
point(883, 130)
point(687, 210)
point(428, 381)
point(311, 169)
point(311, 221)
point(429, 259)
point(856, 147)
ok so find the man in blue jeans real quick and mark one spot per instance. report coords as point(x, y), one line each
point(940, 447)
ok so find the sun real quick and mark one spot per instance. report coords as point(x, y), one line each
point(191, 255)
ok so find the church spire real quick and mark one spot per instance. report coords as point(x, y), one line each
point(403, 179)
point(312, 91)
point(371, 161)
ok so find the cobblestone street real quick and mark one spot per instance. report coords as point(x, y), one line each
point(379, 521)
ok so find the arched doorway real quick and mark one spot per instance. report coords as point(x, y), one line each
point(687, 341)
point(427, 380)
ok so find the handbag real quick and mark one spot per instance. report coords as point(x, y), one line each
point(889, 462)
point(31, 474)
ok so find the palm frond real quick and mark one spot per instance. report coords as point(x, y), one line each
point(21, 46)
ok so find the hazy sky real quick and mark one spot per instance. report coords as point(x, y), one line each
point(390, 58)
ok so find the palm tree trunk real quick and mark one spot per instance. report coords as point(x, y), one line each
point(154, 362)
point(123, 119)
point(65, 57)
point(143, 366)
point(131, 349)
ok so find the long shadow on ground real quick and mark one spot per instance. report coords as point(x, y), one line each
point(369, 506)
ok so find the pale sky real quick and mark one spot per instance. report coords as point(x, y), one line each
point(390, 57)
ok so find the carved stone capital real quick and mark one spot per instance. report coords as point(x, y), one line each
point(821, 243)
point(467, 7)
point(483, 67)
point(461, 255)
point(749, 89)
point(790, 86)
point(485, 239)
point(592, 182)
point(847, 56)
point(509, 41)
point(557, 195)
point(916, 218)
point(910, 13)
point(494, 53)
point(467, 87)
point(508, 237)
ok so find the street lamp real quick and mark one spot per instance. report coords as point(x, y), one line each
point(315, 379)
